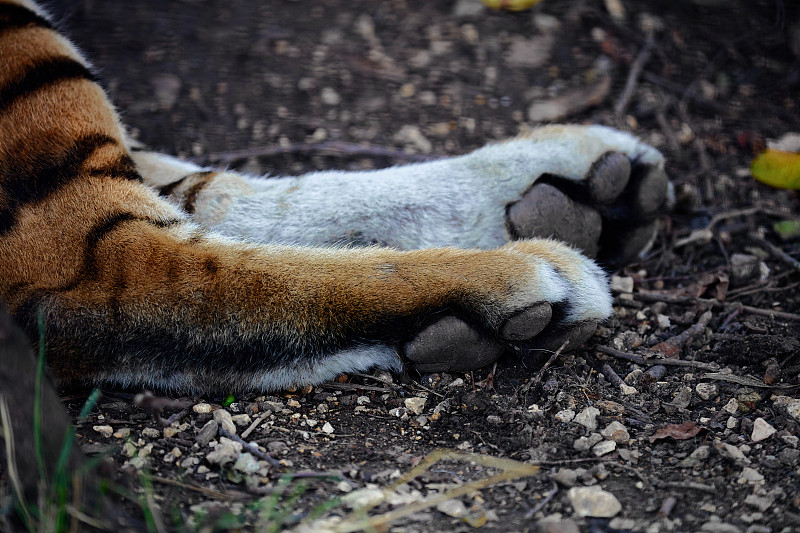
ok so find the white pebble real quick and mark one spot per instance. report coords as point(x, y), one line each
point(593, 501)
point(201, 408)
point(762, 430)
point(105, 431)
point(327, 428)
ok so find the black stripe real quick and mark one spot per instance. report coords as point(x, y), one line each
point(14, 16)
point(123, 168)
point(40, 74)
point(41, 173)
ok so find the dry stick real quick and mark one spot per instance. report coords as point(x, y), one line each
point(250, 447)
point(691, 485)
point(776, 252)
point(326, 148)
point(680, 340)
point(650, 362)
point(396, 386)
point(552, 492)
point(612, 376)
point(535, 383)
point(633, 77)
point(651, 297)
point(705, 234)
point(254, 425)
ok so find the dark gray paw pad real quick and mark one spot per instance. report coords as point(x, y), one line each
point(609, 215)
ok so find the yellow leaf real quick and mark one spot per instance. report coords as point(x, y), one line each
point(510, 5)
point(777, 169)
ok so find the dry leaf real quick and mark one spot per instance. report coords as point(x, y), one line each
point(684, 431)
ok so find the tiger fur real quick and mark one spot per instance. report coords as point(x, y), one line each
point(247, 295)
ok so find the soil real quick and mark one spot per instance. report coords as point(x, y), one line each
point(710, 447)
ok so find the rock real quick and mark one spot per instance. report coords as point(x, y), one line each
point(412, 135)
point(556, 524)
point(789, 456)
point(454, 508)
point(226, 451)
point(225, 421)
point(762, 430)
point(565, 477)
point(207, 433)
point(593, 501)
point(533, 52)
point(327, 428)
point(622, 284)
point(731, 451)
point(166, 87)
point(468, 8)
point(792, 405)
point(329, 96)
point(617, 432)
point(584, 443)
point(151, 433)
point(706, 391)
point(604, 447)
point(415, 405)
point(362, 498)
point(588, 418)
point(750, 475)
point(170, 432)
point(762, 503)
point(494, 419)
point(246, 464)
point(294, 404)
point(565, 415)
point(732, 406)
point(242, 420)
point(201, 408)
point(719, 527)
point(105, 431)
point(122, 433)
point(399, 412)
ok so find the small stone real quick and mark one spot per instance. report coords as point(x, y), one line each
point(344, 486)
point(762, 503)
point(201, 408)
point(170, 432)
point(122, 433)
point(128, 449)
point(225, 421)
point(329, 96)
point(293, 403)
point(246, 464)
point(585, 443)
point(565, 477)
point(663, 321)
point(454, 508)
point(617, 432)
point(105, 431)
point(207, 433)
point(732, 406)
point(588, 418)
point(242, 420)
point(731, 451)
point(622, 284)
point(604, 447)
point(399, 412)
point(363, 498)
point(565, 415)
point(762, 430)
point(593, 501)
point(789, 456)
point(719, 527)
point(412, 135)
point(226, 451)
point(627, 390)
point(706, 391)
point(327, 428)
point(151, 433)
point(362, 400)
point(732, 422)
point(415, 405)
point(556, 524)
point(750, 475)
point(494, 419)
point(792, 405)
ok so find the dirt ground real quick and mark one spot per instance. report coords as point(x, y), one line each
point(707, 441)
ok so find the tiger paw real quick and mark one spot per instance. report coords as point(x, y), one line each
point(573, 298)
point(599, 189)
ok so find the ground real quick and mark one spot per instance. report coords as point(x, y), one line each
point(711, 445)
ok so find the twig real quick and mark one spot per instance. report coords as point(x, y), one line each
point(776, 252)
point(250, 447)
point(396, 386)
point(646, 482)
point(706, 234)
point(633, 77)
point(535, 383)
point(667, 506)
point(612, 375)
point(254, 425)
point(325, 148)
point(783, 315)
point(654, 361)
point(744, 380)
point(217, 495)
point(691, 485)
point(676, 343)
point(549, 496)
